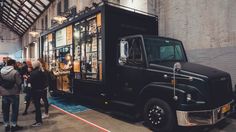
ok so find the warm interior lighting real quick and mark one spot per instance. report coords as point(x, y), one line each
point(68, 57)
point(34, 33)
point(59, 19)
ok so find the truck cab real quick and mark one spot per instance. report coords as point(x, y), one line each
point(166, 92)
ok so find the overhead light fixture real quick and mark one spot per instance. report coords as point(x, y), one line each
point(34, 33)
point(59, 19)
point(95, 4)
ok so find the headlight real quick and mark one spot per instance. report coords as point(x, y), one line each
point(189, 97)
point(194, 98)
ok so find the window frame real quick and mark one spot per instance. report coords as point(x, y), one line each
point(133, 62)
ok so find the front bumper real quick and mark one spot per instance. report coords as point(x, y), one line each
point(204, 117)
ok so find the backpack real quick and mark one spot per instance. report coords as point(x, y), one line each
point(7, 84)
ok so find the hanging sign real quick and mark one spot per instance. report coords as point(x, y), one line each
point(50, 37)
point(69, 35)
point(61, 37)
point(99, 19)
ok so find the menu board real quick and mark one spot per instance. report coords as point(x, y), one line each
point(76, 66)
point(50, 37)
point(69, 35)
point(61, 37)
point(99, 19)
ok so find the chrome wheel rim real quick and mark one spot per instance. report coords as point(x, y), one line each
point(156, 116)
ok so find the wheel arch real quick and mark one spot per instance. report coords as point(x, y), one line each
point(160, 90)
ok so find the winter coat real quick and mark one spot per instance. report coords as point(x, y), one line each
point(9, 73)
point(38, 80)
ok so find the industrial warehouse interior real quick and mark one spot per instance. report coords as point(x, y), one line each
point(118, 65)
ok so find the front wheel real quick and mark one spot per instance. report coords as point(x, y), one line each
point(159, 116)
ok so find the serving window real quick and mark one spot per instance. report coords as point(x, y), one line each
point(47, 50)
point(88, 49)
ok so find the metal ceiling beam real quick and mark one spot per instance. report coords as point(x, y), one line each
point(21, 24)
point(14, 30)
point(31, 10)
point(26, 7)
point(12, 7)
point(1, 10)
point(50, 2)
point(25, 16)
point(18, 16)
point(44, 6)
point(21, 31)
point(10, 23)
point(33, 4)
point(17, 24)
point(13, 19)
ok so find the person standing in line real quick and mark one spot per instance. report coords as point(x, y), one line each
point(27, 68)
point(5, 60)
point(10, 95)
point(27, 90)
point(37, 80)
point(44, 95)
point(24, 68)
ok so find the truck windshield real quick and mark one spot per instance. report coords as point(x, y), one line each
point(160, 49)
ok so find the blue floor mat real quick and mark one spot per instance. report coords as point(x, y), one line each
point(67, 105)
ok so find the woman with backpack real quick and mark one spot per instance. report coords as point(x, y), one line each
point(10, 90)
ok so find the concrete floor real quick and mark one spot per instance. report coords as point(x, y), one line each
point(96, 121)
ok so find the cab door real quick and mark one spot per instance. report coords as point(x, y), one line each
point(129, 77)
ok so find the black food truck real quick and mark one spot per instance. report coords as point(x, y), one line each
point(114, 53)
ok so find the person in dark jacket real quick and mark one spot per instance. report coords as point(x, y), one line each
point(44, 95)
point(27, 91)
point(37, 80)
point(10, 96)
point(24, 68)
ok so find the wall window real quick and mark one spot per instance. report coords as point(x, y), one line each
point(59, 8)
point(135, 51)
point(42, 24)
point(66, 5)
point(46, 22)
point(32, 51)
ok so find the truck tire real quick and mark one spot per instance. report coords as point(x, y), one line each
point(159, 116)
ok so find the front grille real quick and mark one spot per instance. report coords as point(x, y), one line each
point(220, 91)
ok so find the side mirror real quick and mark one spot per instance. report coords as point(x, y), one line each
point(177, 67)
point(124, 51)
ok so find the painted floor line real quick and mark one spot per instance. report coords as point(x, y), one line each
point(81, 119)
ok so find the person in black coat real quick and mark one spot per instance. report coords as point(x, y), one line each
point(37, 80)
point(44, 95)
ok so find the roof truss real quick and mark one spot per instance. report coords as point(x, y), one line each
point(20, 15)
